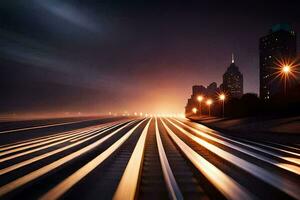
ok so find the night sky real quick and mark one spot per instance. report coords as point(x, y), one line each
point(136, 56)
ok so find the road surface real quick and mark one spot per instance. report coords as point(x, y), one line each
point(143, 158)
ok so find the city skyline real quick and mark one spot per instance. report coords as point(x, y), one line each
point(77, 61)
point(279, 47)
point(149, 100)
point(233, 82)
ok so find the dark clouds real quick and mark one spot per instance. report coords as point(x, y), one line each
point(126, 55)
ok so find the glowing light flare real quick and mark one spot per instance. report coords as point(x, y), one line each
point(209, 102)
point(222, 97)
point(200, 98)
point(194, 110)
point(285, 68)
point(181, 115)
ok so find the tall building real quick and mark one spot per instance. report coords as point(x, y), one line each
point(279, 44)
point(233, 80)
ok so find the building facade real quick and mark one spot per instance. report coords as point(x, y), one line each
point(210, 91)
point(279, 44)
point(233, 80)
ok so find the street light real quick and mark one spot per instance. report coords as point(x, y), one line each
point(208, 103)
point(222, 97)
point(286, 69)
point(194, 110)
point(200, 99)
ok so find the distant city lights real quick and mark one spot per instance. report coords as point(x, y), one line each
point(141, 114)
point(209, 102)
point(200, 98)
point(222, 97)
point(194, 110)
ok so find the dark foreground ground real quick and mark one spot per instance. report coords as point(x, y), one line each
point(143, 158)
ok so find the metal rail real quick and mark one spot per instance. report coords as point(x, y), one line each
point(225, 184)
point(172, 186)
point(39, 172)
point(128, 184)
point(74, 178)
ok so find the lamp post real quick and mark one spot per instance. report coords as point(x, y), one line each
point(208, 103)
point(286, 69)
point(222, 97)
point(200, 99)
point(194, 110)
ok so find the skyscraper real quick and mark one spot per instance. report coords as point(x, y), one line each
point(279, 44)
point(233, 80)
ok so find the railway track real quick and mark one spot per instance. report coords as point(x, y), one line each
point(147, 158)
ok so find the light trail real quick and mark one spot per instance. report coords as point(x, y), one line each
point(172, 186)
point(225, 184)
point(39, 139)
point(293, 169)
point(287, 186)
point(286, 146)
point(73, 179)
point(36, 149)
point(267, 164)
point(274, 148)
point(48, 154)
point(37, 173)
point(128, 184)
point(42, 143)
point(43, 126)
point(53, 136)
point(218, 134)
